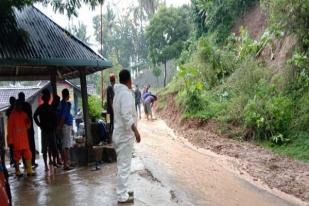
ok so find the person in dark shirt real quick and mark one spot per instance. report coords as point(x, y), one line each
point(138, 99)
point(110, 97)
point(56, 108)
point(7, 113)
point(28, 110)
point(46, 118)
point(12, 104)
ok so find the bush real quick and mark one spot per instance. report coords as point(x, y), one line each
point(95, 107)
point(301, 114)
point(268, 114)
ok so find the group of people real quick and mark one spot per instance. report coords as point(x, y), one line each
point(56, 123)
point(147, 99)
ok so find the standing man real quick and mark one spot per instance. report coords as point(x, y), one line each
point(138, 98)
point(46, 118)
point(26, 107)
point(66, 125)
point(110, 97)
point(124, 133)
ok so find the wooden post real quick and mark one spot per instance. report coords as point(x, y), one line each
point(83, 85)
point(53, 81)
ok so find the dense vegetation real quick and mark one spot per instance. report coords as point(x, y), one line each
point(225, 77)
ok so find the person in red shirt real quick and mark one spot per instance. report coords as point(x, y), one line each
point(18, 126)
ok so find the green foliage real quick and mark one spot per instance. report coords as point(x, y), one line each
point(123, 36)
point(268, 114)
point(229, 83)
point(80, 31)
point(70, 7)
point(166, 34)
point(156, 71)
point(218, 16)
point(291, 16)
point(300, 61)
point(301, 113)
point(297, 147)
point(62, 6)
point(247, 45)
point(95, 107)
point(215, 64)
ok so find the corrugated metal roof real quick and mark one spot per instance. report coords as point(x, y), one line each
point(43, 46)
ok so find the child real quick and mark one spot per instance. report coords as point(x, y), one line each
point(18, 126)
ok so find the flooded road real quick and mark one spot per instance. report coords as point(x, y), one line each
point(200, 177)
point(166, 171)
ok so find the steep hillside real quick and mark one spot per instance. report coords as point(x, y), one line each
point(254, 84)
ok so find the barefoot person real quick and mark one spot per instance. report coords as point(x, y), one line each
point(124, 132)
point(46, 118)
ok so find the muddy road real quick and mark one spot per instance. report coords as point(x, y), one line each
point(200, 177)
point(166, 171)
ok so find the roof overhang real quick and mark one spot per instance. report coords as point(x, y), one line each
point(41, 69)
point(47, 49)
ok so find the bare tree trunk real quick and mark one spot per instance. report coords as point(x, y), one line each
point(164, 83)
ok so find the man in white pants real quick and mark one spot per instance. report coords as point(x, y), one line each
point(124, 132)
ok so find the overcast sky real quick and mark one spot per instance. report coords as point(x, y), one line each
point(85, 14)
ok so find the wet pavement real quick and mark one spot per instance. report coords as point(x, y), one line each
point(166, 170)
point(82, 186)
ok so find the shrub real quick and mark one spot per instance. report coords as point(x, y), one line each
point(268, 114)
point(301, 115)
point(95, 107)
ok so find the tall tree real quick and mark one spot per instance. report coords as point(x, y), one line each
point(80, 31)
point(167, 31)
point(123, 36)
point(107, 30)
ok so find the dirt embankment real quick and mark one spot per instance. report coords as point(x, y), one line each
point(254, 20)
point(289, 176)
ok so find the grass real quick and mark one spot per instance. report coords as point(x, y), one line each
point(298, 148)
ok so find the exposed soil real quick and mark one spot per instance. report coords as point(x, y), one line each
point(278, 51)
point(287, 175)
point(254, 20)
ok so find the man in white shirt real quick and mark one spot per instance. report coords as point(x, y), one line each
point(125, 130)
